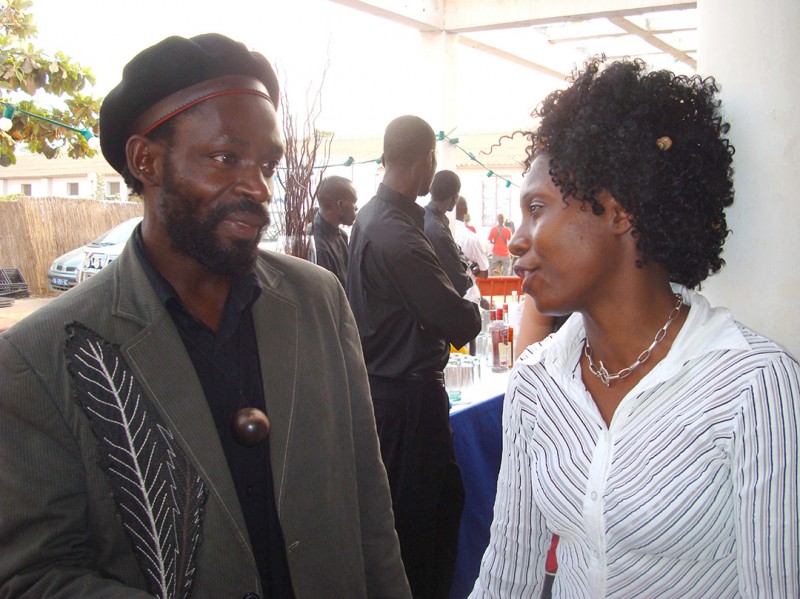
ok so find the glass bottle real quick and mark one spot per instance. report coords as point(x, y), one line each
point(499, 333)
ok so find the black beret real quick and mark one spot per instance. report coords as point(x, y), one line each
point(168, 67)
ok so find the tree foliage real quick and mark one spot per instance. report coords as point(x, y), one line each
point(25, 70)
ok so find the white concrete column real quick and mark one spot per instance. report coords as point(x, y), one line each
point(751, 47)
point(440, 73)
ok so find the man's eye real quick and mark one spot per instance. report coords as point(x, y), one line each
point(224, 158)
point(269, 168)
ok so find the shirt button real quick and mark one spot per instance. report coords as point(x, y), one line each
point(250, 596)
point(594, 495)
point(249, 490)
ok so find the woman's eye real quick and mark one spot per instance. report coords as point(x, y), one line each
point(533, 207)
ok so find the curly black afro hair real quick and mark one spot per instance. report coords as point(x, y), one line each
point(609, 131)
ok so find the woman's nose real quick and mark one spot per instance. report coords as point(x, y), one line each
point(519, 243)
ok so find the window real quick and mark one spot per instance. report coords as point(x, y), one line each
point(496, 200)
point(73, 189)
point(112, 188)
point(26, 189)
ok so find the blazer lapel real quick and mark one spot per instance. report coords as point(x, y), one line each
point(277, 331)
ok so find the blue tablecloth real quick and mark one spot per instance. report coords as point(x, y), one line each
point(477, 436)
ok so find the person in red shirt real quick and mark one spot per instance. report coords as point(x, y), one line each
point(500, 260)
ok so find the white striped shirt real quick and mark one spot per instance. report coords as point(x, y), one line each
point(692, 491)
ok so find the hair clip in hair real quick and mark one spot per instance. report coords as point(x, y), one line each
point(664, 143)
point(541, 143)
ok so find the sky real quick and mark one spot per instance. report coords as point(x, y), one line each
point(376, 70)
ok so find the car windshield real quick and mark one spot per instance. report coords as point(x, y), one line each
point(118, 234)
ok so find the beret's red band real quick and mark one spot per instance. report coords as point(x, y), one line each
point(184, 99)
point(197, 101)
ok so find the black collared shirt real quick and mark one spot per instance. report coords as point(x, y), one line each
point(228, 366)
point(406, 309)
point(331, 246)
point(450, 257)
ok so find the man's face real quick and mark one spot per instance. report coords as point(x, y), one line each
point(427, 179)
point(347, 206)
point(452, 202)
point(217, 181)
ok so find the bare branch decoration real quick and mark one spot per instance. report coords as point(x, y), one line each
point(306, 158)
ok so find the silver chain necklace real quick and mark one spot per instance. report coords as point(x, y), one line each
point(603, 374)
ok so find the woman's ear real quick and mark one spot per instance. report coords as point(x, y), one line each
point(618, 217)
point(141, 154)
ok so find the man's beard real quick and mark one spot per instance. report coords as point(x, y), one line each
point(197, 237)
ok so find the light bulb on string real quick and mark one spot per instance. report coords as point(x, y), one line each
point(91, 140)
point(5, 122)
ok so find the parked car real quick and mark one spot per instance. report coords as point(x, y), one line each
point(98, 255)
point(63, 272)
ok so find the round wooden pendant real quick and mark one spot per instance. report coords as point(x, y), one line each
point(249, 426)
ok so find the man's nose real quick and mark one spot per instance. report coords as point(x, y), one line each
point(254, 185)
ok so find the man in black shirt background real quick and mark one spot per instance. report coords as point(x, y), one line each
point(337, 206)
point(444, 194)
point(408, 314)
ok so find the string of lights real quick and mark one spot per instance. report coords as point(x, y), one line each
point(93, 142)
point(9, 110)
point(441, 136)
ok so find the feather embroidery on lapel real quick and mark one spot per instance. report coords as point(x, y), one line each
point(160, 496)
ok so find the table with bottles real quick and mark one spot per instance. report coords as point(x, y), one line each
point(476, 386)
point(476, 398)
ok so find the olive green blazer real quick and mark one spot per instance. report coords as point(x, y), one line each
point(60, 531)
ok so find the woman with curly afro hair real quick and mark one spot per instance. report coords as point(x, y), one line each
point(652, 433)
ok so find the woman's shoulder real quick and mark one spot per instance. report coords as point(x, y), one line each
point(766, 352)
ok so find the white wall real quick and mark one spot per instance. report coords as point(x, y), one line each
point(59, 186)
point(751, 47)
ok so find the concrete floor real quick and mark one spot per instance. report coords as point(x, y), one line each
point(20, 309)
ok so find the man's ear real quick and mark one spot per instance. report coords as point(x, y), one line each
point(141, 154)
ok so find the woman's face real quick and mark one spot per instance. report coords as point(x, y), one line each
point(567, 254)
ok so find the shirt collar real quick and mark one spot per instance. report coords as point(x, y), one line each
point(431, 209)
point(705, 330)
point(407, 205)
point(324, 227)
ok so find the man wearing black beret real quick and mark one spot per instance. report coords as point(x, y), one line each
point(186, 422)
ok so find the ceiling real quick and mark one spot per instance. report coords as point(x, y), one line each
point(554, 36)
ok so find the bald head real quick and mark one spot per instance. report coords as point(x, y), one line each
point(337, 200)
point(461, 208)
point(444, 190)
point(406, 140)
point(409, 156)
